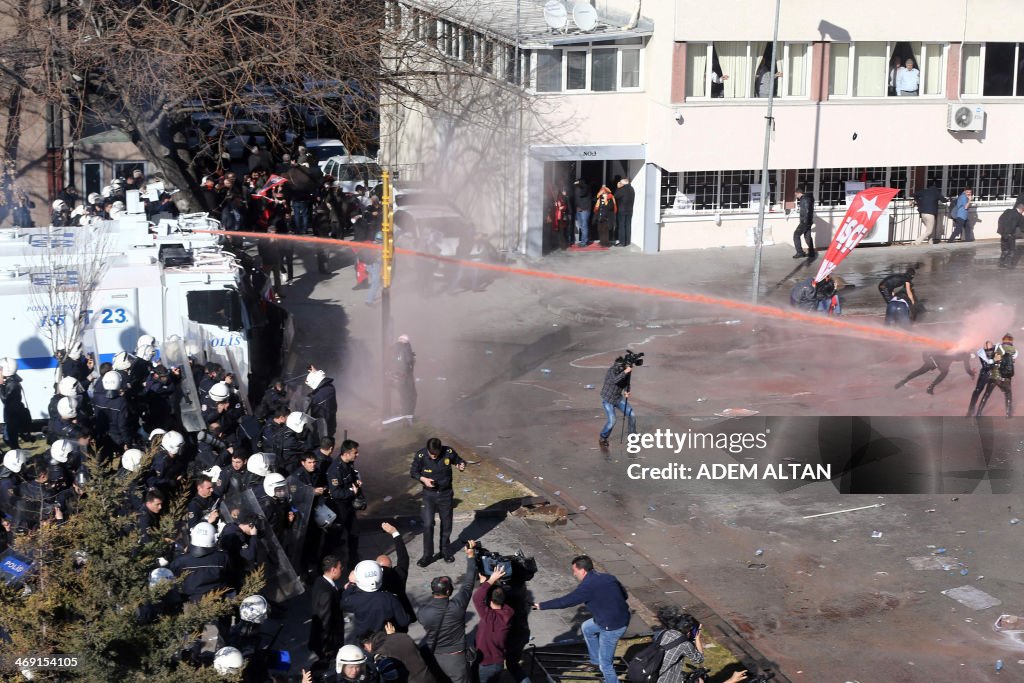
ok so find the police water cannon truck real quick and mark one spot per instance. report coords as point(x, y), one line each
point(111, 282)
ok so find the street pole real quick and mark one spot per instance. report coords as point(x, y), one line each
point(768, 124)
point(386, 261)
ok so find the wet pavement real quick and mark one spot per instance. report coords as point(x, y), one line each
point(514, 373)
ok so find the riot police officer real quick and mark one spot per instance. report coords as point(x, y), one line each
point(345, 488)
point(432, 467)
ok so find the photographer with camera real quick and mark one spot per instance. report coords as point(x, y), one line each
point(346, 490)
point(432, 467)
point(615, 393)
point(444, 620)
point(495, 621)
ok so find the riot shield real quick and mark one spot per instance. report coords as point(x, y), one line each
point(174, 354)
point(301, 496)
point(282, 582)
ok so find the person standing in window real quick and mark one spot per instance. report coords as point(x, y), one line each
point(718, 80)
point(959, 214)
point(764, 79)
point(908, 79)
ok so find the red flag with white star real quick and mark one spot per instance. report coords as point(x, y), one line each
point(860, 218)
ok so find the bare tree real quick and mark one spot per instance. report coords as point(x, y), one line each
point(63, 281)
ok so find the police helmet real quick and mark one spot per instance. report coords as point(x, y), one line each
point(254, 609)
point(8, 366)
point(146, 352)
point(58, 205)
point(172, 442)
point(131, 459)
point(75, 351)
point(228, 661)
point(146, 340)
point(112, 381)
point(60, 450)
point(203, 535)
point(69, 386)
point(220, 392)
point(315, 378)
point(15, 459)
point(159, 575)
point(272, 483)
point(122, 361)
point(349, 655)
point(368, 576)
point(257, 464)
point(67, 407)
point(297, 422)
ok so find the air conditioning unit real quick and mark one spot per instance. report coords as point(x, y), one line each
point(965, 117)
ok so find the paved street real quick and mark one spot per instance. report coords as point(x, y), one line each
point(514, 374)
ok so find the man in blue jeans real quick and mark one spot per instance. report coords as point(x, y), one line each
point(606, 599)
point(615, 396)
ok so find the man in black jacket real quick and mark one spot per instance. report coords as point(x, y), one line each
point(804, 229)
point(326, 628)
point(344, 484)
point(432, 467)
point(323, 400)
point(1010, 222)
point(625, 197)
point(583, 201)
point(444, 620)
point(396, 577)
point(928, 206)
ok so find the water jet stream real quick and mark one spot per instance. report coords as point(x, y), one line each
point(860, 329)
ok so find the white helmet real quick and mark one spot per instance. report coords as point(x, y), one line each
point(220, 392)
point(93, 198)
point(272, 482)
point(75, 351)
point(315, 378)
point(146, 352)
point(172, 442)
point(156, 432)
point(107, 191)
point(159, 575)
point(122, 362)
point(8, 366)
point(59, 205)
point(257, 464)
point(368, 576)
point(349, 654)
point(297, 422)
point(112, 381)
point(253, 609)
point(228, 661)
point(213, 473)
point(146, 340)
point(67, 407)
point(69, 387)
point(15, 459)
point(203, 535)
point(323, 515)
point(131, 459)
point(61, 449)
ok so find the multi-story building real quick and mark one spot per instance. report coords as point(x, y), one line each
point(664, 92)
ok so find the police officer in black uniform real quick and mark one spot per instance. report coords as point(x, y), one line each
point(432, 467)
point(345, 486)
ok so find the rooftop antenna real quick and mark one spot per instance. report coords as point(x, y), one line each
point(584, 16)
point(555, 15)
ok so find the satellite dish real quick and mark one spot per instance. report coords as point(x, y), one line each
point(584, 16)
point(555, 15)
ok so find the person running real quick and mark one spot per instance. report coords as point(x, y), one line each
point(940, 362)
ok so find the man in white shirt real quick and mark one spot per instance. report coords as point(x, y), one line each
point(908, 79)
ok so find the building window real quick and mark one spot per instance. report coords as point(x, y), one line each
point(970, 73)
point(696, 69)
point(549, 71)
point(92, 177)
point(487, 60)
point(510, 64)
point(576, 70)
point(706, 191)
point(993, 180)
point(603, 69)
point(431, 31)
point(729, 69)
point(467, 48)
point(839, 69)
point(797, 72)
point(1000, 71)
point(869, 69)
point(630, 61)
point(124, 169)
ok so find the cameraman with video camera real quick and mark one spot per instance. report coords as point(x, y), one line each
point(615, 393)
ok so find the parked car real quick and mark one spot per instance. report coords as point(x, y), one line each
point(349, 171)
point(429, 219)
point(325, 148)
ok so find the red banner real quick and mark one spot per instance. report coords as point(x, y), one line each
point(272, 182)
point(860, 218)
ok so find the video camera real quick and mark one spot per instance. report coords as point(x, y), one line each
point(518, 567)
point(629, 360)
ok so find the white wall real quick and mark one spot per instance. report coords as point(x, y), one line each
point(948, 20)
point(717, 135)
